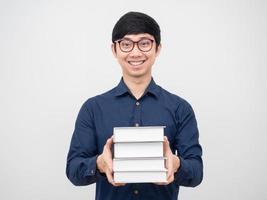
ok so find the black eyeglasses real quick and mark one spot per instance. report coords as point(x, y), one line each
point(127, 45)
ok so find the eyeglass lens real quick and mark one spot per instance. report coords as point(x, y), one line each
point(143, 45)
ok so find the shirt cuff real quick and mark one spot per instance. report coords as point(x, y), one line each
point(183, 171)
point(91, 166)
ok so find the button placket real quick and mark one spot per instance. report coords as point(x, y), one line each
point(136, 192)
point(137, 114)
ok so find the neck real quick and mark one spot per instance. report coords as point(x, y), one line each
point(137, 86)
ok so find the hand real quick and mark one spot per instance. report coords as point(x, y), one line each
point(104, 162)
point(172, 162)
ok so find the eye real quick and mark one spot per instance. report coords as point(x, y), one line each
point(126, 43)
point(145, 43)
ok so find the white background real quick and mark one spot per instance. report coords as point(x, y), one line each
point(56, 54)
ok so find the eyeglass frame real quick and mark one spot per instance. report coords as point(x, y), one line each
point(119, 41)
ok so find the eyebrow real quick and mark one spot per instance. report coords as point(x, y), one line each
point(137, 40)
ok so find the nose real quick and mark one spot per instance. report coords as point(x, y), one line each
point(136, 51)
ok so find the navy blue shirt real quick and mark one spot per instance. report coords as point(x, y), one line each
point(119, 108)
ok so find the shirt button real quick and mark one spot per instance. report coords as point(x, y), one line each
point(136, 124)
point(136, 192)
point(137, 103)
point(92, 171)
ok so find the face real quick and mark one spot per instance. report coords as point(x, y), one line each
point(136, 63)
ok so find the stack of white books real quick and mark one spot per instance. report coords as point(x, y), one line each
point(138, 155)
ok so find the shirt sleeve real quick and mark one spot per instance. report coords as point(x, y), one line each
point(81, 159)
point(190, 172)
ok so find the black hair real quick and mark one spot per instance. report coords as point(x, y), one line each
point(135, 23)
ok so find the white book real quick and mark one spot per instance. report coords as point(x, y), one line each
point(139, 164)
point(140, 177)
point(138, 149)
point(138, 134)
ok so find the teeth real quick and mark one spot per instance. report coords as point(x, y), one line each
point(135, 63)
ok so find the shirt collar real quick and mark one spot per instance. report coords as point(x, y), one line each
point(152, 88)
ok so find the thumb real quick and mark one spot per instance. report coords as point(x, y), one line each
point(109, 142)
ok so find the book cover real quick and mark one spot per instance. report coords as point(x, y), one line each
point(139, 164)
point(140, 176)
point(139, 134)
point(138, 149)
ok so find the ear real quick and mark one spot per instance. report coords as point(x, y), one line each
point(158, 50)
point(113, 49)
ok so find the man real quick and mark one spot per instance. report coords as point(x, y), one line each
point(136, 101)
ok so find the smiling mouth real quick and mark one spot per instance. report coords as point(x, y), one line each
point(136, 63)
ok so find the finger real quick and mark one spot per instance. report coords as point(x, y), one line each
point(110, 177)
point(119, 184)
point(111, 180)
point(109, 164)
point(166, 146)
point(170, 179)
point(108, 147)
point(109, 142)
point(160, 183)
point(107, 161)
point(169, 173)
point(163, 183)
point(169, 168)
point(169, 164)
point(166, 139)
